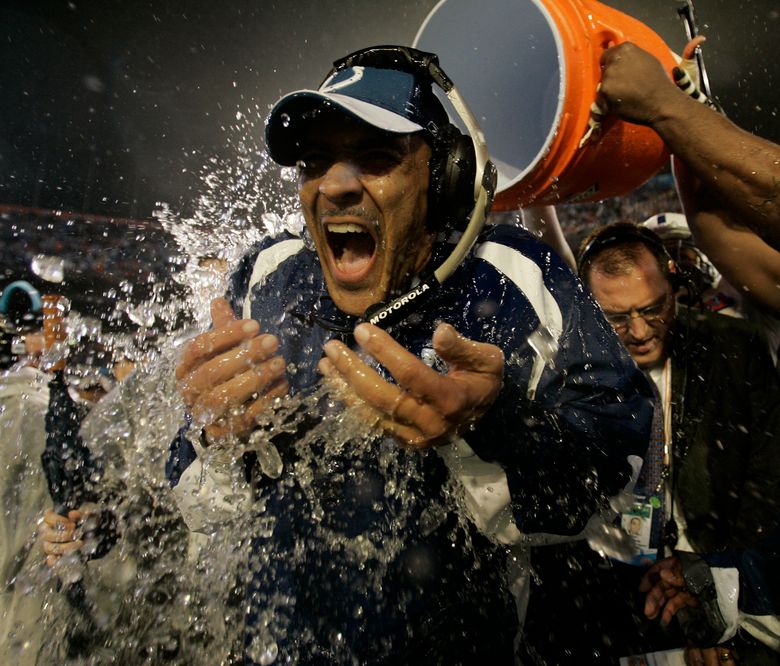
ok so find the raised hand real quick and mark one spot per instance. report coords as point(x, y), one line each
point(666, 592)
point(425, 407)
point(229, 374)
point(62, 535)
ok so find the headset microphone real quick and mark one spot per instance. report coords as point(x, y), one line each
point(385, 315)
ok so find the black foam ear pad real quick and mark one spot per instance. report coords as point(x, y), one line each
point(624, 232)
point(680, 278)
point(453, 170)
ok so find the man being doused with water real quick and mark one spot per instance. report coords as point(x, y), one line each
point(386, 474)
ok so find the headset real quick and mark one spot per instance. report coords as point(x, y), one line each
point(462, 177)
point(623, 233)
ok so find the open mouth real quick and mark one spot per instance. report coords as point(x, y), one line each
point(352, 247)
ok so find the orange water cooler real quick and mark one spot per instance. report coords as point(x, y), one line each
point(529, 71)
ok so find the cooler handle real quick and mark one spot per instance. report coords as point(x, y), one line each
point(604, 36)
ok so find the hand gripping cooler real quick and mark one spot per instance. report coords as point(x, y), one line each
point(529, 70)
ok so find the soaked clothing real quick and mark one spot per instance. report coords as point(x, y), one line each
point(363, 550)
point(732, 434)
point(768, 322)
point(726, 460)
point(725, 402)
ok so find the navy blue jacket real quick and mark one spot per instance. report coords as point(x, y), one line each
point(367, 551)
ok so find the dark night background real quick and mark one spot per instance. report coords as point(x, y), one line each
point(108, 107)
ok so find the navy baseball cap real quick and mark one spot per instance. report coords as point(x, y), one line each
point(391, 100)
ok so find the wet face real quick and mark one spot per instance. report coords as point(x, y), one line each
point(640, 306)
point(364, 196)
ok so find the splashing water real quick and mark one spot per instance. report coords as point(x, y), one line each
point(51, 269)
point(164, 594)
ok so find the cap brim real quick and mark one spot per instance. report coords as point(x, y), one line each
point(284, 122)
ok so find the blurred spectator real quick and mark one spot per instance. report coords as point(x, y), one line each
point(578, 220)
point(147, 608)
point(105, 259)
point(24, 397)
point(21, 319)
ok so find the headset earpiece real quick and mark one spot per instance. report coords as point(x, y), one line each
point(677, 278)
point(681, 279)
point(622, 233)
point(678, 281)
point(451, 189)
point(453, 165)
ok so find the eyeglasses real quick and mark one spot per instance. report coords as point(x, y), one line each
point(651, 314)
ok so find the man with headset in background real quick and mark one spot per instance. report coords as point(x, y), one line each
point(709, 490)
point(497, 405)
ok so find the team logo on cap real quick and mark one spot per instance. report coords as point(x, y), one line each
point(331, 86)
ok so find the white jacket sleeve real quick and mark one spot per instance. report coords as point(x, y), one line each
point(211, 490)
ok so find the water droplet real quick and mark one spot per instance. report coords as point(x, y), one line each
point(263, 649)
point(51, 269)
